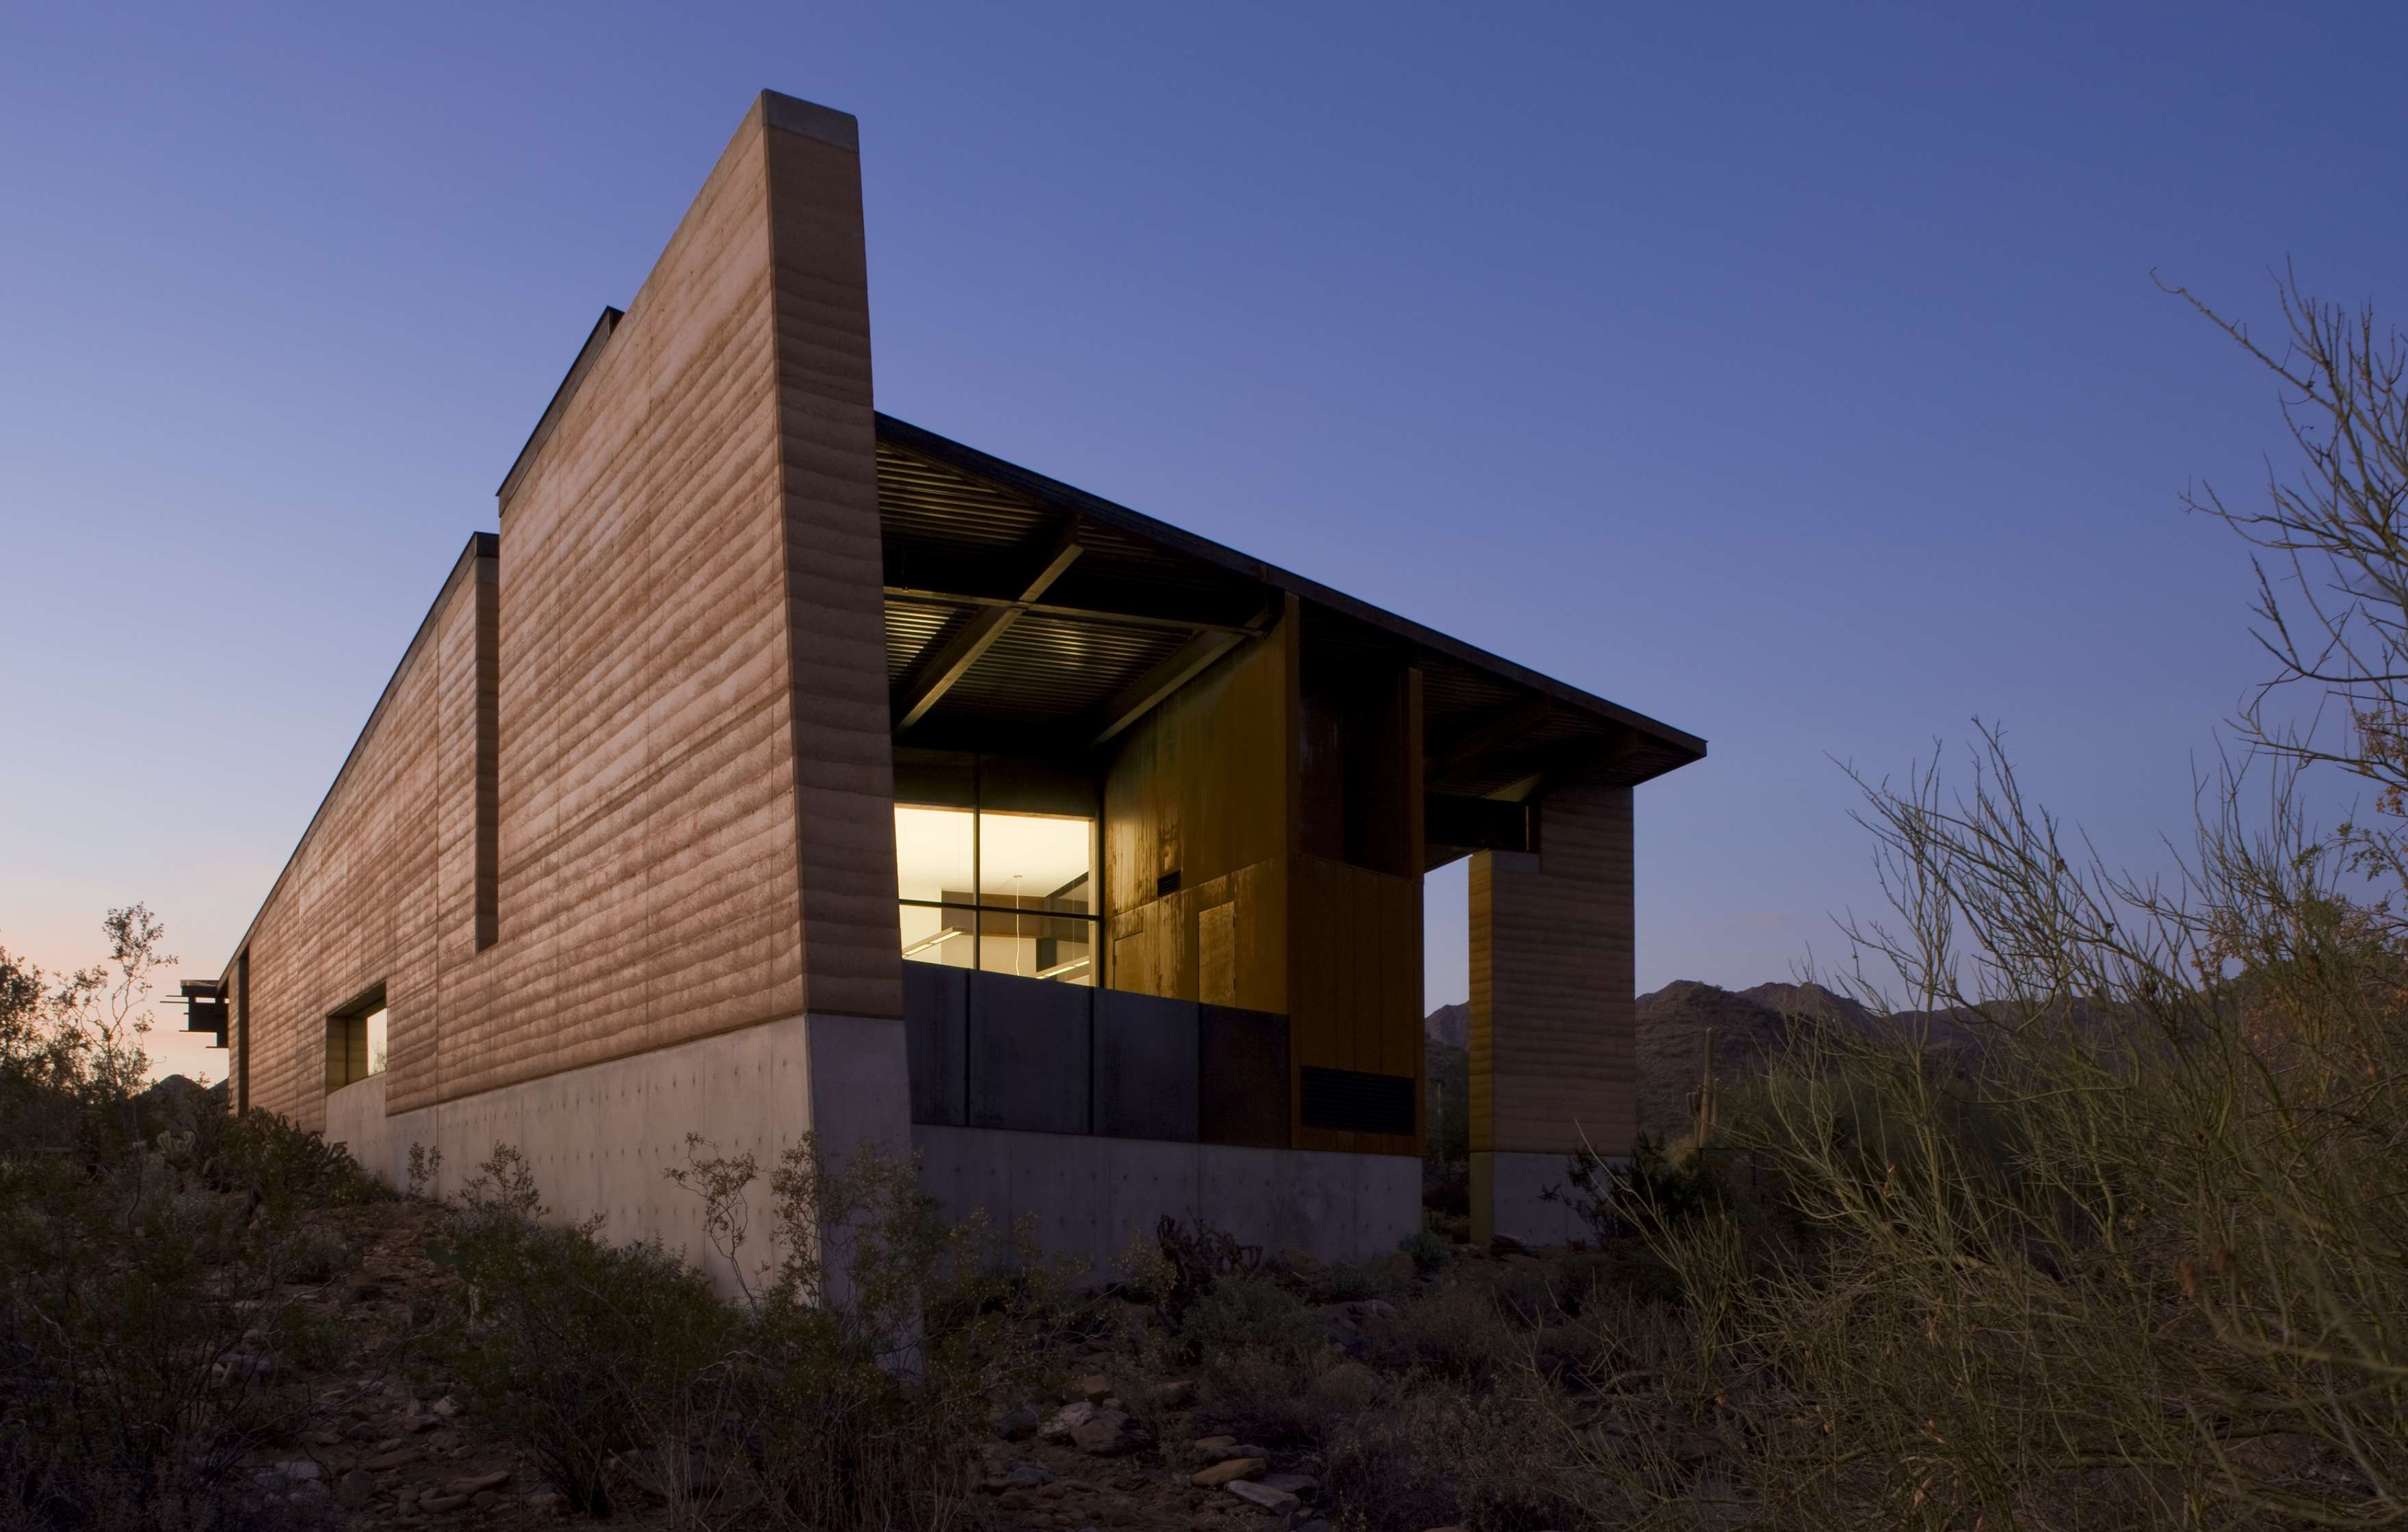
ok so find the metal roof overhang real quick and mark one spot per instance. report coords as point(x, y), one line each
point(1026, 616)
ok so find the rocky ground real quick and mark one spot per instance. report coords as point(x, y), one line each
point(1091, 1462)
point(1122, 1450)
point(378, 1448)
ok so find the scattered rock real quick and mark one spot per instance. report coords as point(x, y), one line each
point(546, 1502)
point(1067, 1419)
point(356, 1488)
point(1029, 1476)
point(397, 1458)
point(477, 1483)
point(1018, 1425)
point(300, 1470)
point(442, 1503)
point(1301, 1485)
point(444, 1407)
point(1279, 1502)
point(1226, 1471)
point(1094, 1388)
point(1103, 1434)
point(1212, 1444)
point(1175, 1394)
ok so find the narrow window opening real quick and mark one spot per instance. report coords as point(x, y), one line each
point(488, 746)
point(357, 1040)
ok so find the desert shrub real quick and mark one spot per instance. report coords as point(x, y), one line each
point(1249, 1313)
point(1443, 1456)
point(2134, 1257)
point(1384, 1277)
point(1195, 1260)
point(1429, 1254)
point(281, 1168)
point(1456, 1332)
point(310, 1252)
point(845, 1388)
point(558, 1337)
point(146, 1341)
point(1618, 1198)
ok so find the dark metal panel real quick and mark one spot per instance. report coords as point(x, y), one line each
point(1242, 1075)
point(1146, 1066)
point(935, 1039)
point(1355, 1101)
point(1029, 1054)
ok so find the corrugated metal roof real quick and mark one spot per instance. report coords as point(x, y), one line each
point(963, 531)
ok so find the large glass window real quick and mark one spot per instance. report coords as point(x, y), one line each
point(1005, 892)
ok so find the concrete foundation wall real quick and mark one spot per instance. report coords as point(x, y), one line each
point(1508, 1197)
point(1089, 1196)
point(598, 1138)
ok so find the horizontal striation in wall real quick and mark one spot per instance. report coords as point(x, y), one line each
point(570, 833)
point(842, 751)
point(1553, 982)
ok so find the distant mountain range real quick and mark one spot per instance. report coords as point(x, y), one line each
point(1673, 1026)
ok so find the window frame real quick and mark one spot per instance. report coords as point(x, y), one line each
point(977, 907)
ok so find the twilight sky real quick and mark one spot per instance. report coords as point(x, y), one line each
point(1793, 374)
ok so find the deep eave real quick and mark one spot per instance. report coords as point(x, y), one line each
point(1667, 748)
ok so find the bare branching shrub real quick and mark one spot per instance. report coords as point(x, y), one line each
point(2109, 1229)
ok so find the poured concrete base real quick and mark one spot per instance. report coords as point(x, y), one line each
point(1508, 1197)
point(1089, 1196)
point(599, 1139)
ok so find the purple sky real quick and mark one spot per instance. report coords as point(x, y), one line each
point(1793, 374)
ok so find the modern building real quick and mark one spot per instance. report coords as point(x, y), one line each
point(780, 766)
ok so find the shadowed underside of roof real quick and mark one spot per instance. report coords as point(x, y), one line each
point(1023, 614)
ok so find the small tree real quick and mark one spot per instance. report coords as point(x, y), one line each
point(72, 1042)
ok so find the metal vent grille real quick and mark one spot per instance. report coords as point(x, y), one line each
point(1352, 1101)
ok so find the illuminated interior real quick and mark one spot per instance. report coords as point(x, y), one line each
point(1008, 893)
